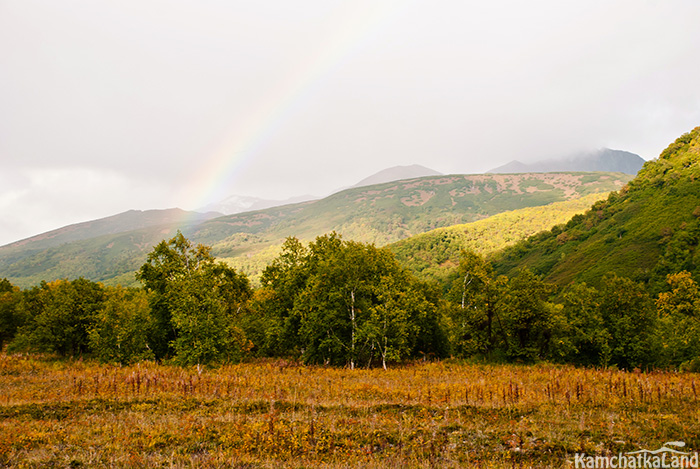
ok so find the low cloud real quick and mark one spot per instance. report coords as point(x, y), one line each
point(35, 200)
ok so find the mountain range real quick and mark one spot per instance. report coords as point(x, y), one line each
point(604, 159)
point(111, 249)
point(241, 203)
point(131, 220)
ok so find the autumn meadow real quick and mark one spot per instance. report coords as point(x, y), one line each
point(57, 413)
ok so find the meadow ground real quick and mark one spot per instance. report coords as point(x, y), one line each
point(58, 413)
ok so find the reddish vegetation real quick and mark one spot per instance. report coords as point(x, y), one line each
point(279, 414)
point(417, 199)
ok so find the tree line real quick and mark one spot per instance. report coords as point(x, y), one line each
point(346, 303)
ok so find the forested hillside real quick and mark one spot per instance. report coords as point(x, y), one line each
point(435, 254)
point(645, 231)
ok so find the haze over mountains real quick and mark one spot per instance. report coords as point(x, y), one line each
point(605, 159)
point(397, 173)
point(131, 220)
point(241, 203)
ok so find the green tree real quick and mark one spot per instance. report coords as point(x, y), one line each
point(206, 309)
point(10, 296)
point(335, 303)
point(263, 326)
point(679, 322)
point(630, 319)
point(168, 263)
point(529, 317)
point(583, 337)
point(122, 327)
point(342, 302)
point(278, 323)
point(196, 303)
point(389, 327)
point(58, 316)
point(404, 319)
point(477, 297)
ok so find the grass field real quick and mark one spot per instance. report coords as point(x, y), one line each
point(276, 414)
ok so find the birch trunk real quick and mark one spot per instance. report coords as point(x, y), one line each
point(352, 320)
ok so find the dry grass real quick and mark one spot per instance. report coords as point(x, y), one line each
point(274, 414)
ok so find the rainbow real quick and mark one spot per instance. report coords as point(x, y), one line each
point(355, 25)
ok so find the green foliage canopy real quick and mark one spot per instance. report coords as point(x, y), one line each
point(343, 302)
point(195, 303)
point(57, 316)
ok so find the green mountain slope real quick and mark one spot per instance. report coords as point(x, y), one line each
point(646, 230)
point(382, 214)
point(388, 212)
point(108, 258)
point(120, 223)
point(434, 255)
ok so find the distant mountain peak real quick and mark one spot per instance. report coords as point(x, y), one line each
point(397, 173)
point(514, 166)
point(605, 159)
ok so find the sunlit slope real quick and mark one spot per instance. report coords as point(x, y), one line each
point(386, 213)
point(646, 230)
point(435, 254)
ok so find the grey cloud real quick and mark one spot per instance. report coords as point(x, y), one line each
point(154, 90)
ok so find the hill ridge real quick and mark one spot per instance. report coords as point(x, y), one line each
point(124, 221)
point(649, 228)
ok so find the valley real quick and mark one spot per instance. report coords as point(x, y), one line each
point(446, 320)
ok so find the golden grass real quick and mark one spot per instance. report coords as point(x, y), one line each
point(276, 414)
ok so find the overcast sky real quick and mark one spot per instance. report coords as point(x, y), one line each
point(112, 105)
